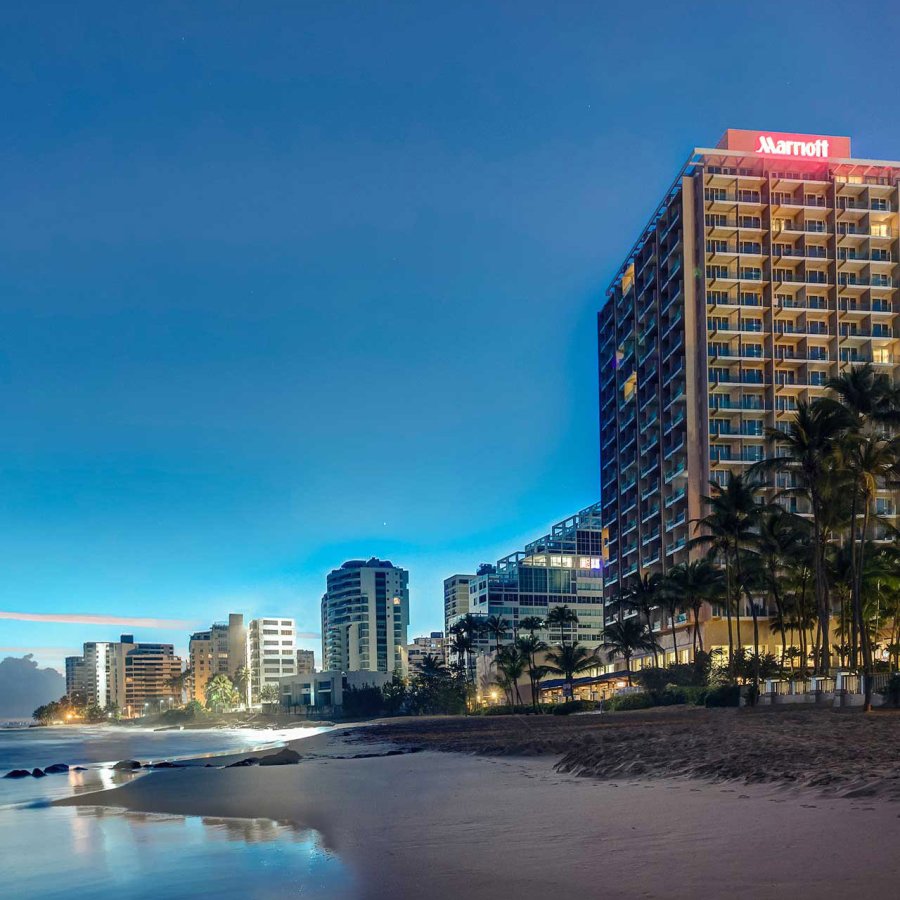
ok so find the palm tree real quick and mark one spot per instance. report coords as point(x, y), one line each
point(433, 667)
point(805, 452)
point(221, 693)
point(643, 594)
point(779, 543)
point(871, 461)
point(177, 682)
point(268, 694)
point(497, 627)
point(511, 664)
point(696, 582)
point(624, 639)
point(564, 619)
point(569, 660)
point(726, 529)
point(530, 646)
point(242, 681)
point(531, 624)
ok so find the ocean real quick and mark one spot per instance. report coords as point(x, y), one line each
point(101, 852)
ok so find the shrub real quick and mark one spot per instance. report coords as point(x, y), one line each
point(724, 695)
point(891, 692)
point(629, 701)
point(571, 706)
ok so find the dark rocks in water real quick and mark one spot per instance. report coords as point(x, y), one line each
point(18, 773)
point(129, 764)
point(38, 773)
point(249, 761)
point(79, 769)
point(165, 765)
point(284, 757)
point(56, 769)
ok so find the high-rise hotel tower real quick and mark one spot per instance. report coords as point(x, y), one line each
point(770, 265)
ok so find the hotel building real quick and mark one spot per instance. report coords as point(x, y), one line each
point(220, 650)
point(365, 614)
point(769, 266)
point(561, 568)
point(272, 653)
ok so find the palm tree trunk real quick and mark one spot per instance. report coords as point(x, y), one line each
point(864, 637)
point(728, 579)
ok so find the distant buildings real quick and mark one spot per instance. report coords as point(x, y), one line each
point(423, 646)
point(221, 650)
point(456, 598)
point(272, 653)
point(562, 568)
point(124, 674)
point(306, 662)
point(365, 612)
point(141, 675)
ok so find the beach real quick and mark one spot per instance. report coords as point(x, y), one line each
point(509, 819)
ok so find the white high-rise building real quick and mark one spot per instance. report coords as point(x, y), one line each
point(365, 613)
point(271, 652)
point(88, 674)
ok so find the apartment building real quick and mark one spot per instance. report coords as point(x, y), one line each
point(456, 599)
point(272, 653)
point(365, 614)
point(220, 650)
point(88, 675)
point(141, 675)
point(561, 568)
point(306, 662)
point(431, 644)
point(770, 265)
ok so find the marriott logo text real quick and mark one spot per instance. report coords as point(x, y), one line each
point(817, 148)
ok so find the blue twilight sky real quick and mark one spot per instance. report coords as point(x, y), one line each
point(288, 283)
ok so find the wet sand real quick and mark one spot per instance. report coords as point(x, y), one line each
point(438, 824)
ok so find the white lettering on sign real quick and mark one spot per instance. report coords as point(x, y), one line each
point(818, 148)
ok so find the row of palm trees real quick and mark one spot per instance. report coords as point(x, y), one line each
point(800, 542)
point(793, 540)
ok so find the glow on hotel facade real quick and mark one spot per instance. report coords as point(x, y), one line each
point(770, 265)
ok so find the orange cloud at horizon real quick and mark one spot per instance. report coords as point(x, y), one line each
point(86, 619)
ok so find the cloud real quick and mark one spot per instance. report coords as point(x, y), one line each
point(25, 686)
point(84, 619)
point(309, 635)
point(55, 652)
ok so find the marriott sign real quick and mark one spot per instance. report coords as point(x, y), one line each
point(768, 144)
point(793, 146)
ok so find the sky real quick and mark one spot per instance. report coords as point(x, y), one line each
point(285, 284)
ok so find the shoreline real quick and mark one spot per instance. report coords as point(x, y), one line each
point(497, 825)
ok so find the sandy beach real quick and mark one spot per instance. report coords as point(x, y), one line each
point(501, 824)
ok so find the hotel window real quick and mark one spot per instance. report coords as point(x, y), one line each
point(716, 246)
point(714, 220)
point(749, 222)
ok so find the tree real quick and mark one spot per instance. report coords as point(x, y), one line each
point(529, 647)
point(531, 624)
point(268, 694)
point(242, 682)
point(643, 594)
point(695, 583)
point(497, 627)
point(625, 638)
point(564, 619)
point(570, 660)
point(511, 664)
point(726, 529)
point(221, 693)
point(805, 453)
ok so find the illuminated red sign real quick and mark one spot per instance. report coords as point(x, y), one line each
point(791, 146)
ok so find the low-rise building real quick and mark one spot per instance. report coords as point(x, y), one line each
point(323, 692)
point(306, 661)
